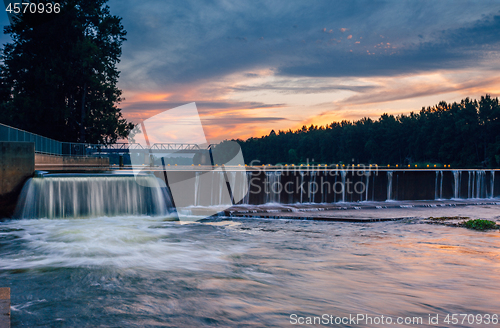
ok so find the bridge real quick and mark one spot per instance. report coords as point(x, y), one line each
point(49, 146)
point(157, 148)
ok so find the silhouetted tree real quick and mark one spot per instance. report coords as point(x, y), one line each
point(59, 75)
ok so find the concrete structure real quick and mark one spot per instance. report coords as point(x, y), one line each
point(54, 162)
point(17, 164)
point(4, 307)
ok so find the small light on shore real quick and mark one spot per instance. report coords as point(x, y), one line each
point(396, 165)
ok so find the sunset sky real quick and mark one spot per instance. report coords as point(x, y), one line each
point(254, 66)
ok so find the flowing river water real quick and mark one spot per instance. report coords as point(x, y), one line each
point(147, 271)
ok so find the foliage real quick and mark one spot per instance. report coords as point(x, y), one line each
point(461, 134)
point(479, 224)
point(59, 75)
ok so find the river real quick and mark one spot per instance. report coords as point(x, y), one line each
point(147, 271)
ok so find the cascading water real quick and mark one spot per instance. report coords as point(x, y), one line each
point(389, 185)
point(246, 197)
point(492, 184)
point(481, 184)
point(324, 190)
point(240, 183)
point(197, 189)
point(343, 174)
point(457, 182)
point(273, 182)
point(76, 196)
point(470, 186)
point(367, 184)
point(312, 187)
point(301, 184)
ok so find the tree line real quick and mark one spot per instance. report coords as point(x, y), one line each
point(465, 134)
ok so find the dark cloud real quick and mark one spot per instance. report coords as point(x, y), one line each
point(450, 49)
point(192, 41)
point(203, 106)
point(236, 120)
point(303, 87)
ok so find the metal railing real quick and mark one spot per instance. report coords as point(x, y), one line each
point(45, 145)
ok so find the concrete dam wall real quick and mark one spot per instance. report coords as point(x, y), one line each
point(206, 188)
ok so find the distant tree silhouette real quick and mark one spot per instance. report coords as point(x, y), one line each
point(463, 134)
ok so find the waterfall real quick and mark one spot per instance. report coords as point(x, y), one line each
point(197, 189)
point(312, 183)
point(343, 174)
point(323, 193)
point(457, 183)
point(367, 184)
point(301, 184)
point(470, 185)
point(334, 187)
point(246, 195)
point(492, 184)
point(273, 185)
point(74, 196)
point(441, 186)
point(389, 185)
point(240, 185)
point(481, 184)
point(222, 187)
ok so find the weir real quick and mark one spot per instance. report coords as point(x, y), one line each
point(73, 195)
point(337, 186)
point(92, 195)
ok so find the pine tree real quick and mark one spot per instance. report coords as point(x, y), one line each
point(59, 75)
